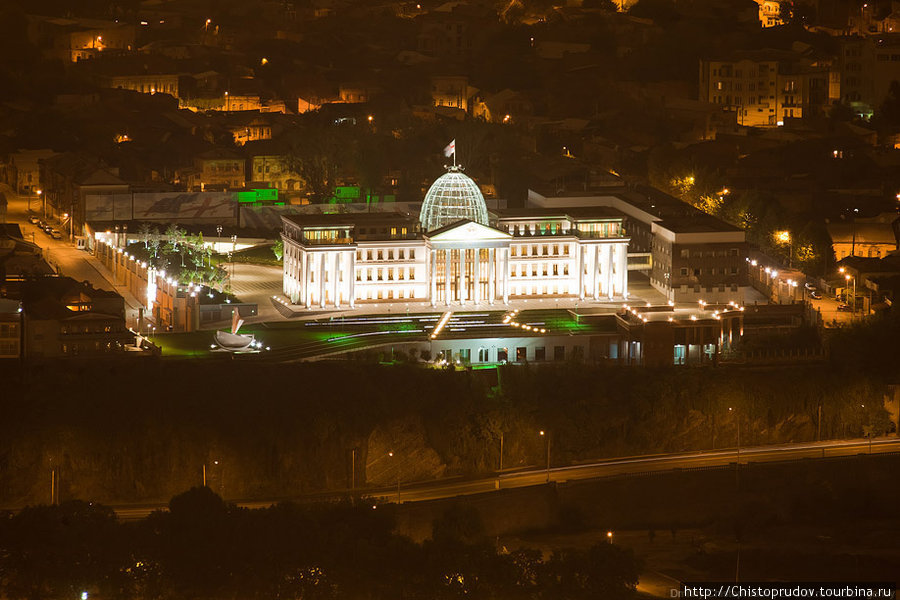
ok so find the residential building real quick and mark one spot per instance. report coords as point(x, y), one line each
point(62, 317)
point(10, 328)
point(502, 107)
point(868, 65)
point(218, 168)
point(269, 165)
point(254, 129)
point(160, 83)
point(25, 170)
point(75, 39)
point(450, 90)
point(68, 179)
point(766, 87)
point(873, 237)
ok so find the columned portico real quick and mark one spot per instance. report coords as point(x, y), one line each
point(463, 248)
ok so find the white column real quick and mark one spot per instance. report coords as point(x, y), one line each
point(463, 288)
point(600, 272)
point(447, 277)
point(579, 264)
point(623, 263)
point(307, 279)
point(301, 283)
point(505, 259)
point(612, 268)
point(321, 279)
point(431, 270)
point(492, 274)
point(352, 284)
point(595, 273)
point(476, 265)
point(335, 281)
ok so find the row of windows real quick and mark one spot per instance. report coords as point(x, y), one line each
point(401, 254)
point(721, 252)
point(729, 71)
point(390, 294)
point(381, 230)
point(540, 250)
point(545, 290)
point(710, 288)
point(502, 354)
point(545, 270)
point(739, 100)
point(235, 168)
point(870, 252)
point(89, 347)
point(389, 274)
point(535, 229)
point(9, 330)
point(712, 271)
point(67, 329)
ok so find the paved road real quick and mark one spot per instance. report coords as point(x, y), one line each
point(449, 488)
point(63, 256)
point(258, 283)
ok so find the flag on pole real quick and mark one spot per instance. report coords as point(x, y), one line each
point(450, 149)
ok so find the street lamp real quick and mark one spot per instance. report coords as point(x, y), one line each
point(233, 249)
point(391, 454)
point(848, 277)
point(609, 536)
point(546, 434)
point(737, 466)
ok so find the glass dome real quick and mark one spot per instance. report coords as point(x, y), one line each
point(451, 198)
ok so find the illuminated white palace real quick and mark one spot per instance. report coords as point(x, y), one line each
point(455, 253)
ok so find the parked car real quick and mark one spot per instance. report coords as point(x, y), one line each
point(844, 307)
point(33, 220)
point(47, 229)
point(55, 234)
point(815, 295)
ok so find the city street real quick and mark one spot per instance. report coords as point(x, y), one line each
point(62, 255)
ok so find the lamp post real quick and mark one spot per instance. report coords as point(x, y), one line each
point(546, 434)
point(391, 454)
point(215, 462)
point(233, 249)
point(848, 277)
point(737, 466)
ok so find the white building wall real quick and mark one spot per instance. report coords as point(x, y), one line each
point(401, 270)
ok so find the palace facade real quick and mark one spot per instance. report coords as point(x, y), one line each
point(455, 253)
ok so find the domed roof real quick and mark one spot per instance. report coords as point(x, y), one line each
point(451, 198)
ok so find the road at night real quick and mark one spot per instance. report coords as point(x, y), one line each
point(436, 490)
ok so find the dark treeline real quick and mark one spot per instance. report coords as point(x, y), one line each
point(204, 548)
point(119, 433)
